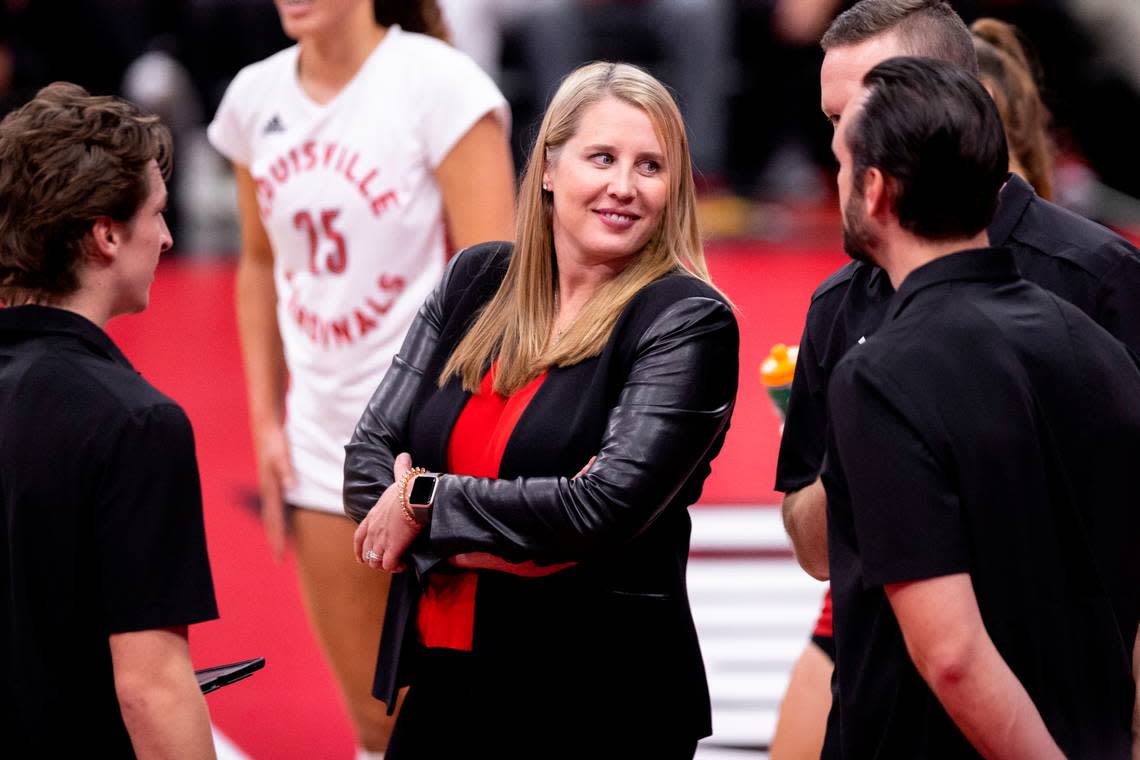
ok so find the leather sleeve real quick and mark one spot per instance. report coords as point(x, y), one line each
point(382, 432)
point(675, 404)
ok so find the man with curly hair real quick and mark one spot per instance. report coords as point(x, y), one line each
point(102, 544)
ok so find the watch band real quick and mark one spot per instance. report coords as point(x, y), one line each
point(402, 494)
point(419, 504)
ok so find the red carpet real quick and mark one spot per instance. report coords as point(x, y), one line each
point(186, 344)
point(771, 288)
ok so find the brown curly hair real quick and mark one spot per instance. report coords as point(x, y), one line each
point(66, 159)
point(1008, 73)
point(421, 16)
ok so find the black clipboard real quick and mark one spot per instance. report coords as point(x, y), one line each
point(210, 679)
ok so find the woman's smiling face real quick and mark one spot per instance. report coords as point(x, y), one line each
point(610, 184)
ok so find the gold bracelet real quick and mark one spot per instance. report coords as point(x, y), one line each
point(402, 493)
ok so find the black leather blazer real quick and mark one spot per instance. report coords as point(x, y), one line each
point(654, 407)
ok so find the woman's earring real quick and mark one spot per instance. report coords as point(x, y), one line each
point(546, 186)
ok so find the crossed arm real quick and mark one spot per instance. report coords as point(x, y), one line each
point(386, 530)
point(676, 401)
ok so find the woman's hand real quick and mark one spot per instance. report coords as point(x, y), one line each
point(385, 533)
point(275, 476)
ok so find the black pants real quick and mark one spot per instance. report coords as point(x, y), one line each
point(461, 706)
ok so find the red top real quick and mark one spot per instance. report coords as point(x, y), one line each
point(823, 625)
point(446, 615)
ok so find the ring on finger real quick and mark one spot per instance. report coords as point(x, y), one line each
point(371, 556)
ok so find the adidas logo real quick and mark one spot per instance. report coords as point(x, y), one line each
point(274, 125)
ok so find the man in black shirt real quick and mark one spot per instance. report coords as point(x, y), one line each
point(979, 450)
point(1084, 263)
point(102, 547)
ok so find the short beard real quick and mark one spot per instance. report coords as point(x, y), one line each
point(858, 239)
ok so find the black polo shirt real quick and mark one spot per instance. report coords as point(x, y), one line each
point(1089, 266)
point(102, 529)
point(988, 427)
point(1081, 261)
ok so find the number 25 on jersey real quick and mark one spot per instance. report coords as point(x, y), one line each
point(316, 229)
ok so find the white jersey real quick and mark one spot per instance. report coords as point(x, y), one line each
point(349, 199)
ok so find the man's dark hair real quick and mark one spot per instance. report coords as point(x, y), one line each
point(926, 28)
point(66, 159)
point(935, 133)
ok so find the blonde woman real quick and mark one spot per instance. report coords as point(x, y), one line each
point(561, 398)
point(357, 152)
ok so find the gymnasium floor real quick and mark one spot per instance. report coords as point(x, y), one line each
point(753, 606)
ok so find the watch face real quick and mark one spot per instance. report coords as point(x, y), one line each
point(423, 490)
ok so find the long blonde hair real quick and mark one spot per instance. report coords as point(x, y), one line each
point(515, 325)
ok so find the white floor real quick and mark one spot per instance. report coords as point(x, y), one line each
point(226, 749)
point(754, 609)
point(754, 616)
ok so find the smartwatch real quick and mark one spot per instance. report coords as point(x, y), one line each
point(421, 496)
